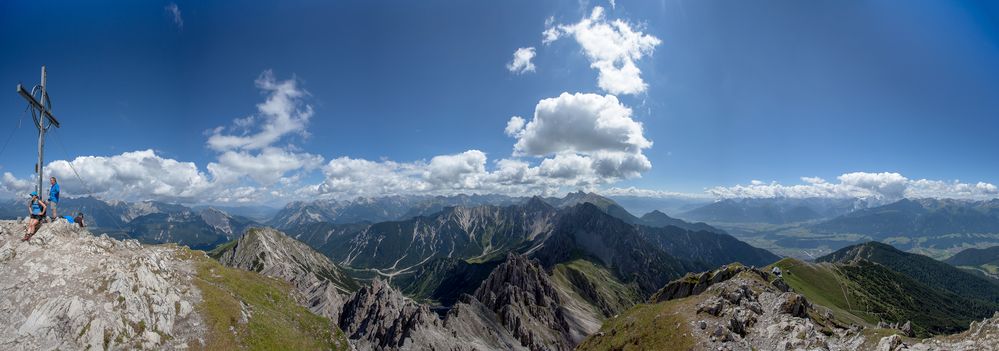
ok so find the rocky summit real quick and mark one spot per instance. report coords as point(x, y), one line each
point(70, 290)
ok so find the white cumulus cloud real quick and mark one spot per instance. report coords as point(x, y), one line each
point(460, 171)
point(522, 61)
point(10, 183)
point(612, 47)
point(515, 126)
point(591, 136)
point(880, 187)
point(136, 175)
point(578, 123)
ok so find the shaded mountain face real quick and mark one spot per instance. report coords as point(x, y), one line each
point(643, 204)
point(772, 210)
point(443, 280)
point(711, 248)
point(918, 218)
point(975, 257)
point(982, 262)
point(923, 269)
point(584, 231)
point(659, 219)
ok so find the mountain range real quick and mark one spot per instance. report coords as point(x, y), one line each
point(537, 276)
point(374, 210)
point(458, 244)
point(773, 210)
point(149, 222)
point(808, 228)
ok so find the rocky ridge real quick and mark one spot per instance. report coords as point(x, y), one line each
point(378, 317)
point(68, 289)
point(528, 306)
point(743, 312)
point(516, 308)
point(981, 336)
point(322, 285)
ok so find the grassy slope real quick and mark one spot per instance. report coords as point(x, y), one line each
point(596, 286)
point(823, 285)
point(645, 327)
point(276, 320)
point(868, 293)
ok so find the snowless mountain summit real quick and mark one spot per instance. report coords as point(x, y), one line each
point(68, 289)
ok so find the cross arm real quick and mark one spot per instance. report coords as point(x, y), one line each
point(38, 105)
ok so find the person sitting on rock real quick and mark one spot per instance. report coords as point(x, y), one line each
point(37, 210)
point(79, 220)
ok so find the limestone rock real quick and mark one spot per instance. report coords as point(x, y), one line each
point(695, 283)
point(378, 317)
point(795, 305)
point(907, 329)
point(68, 289)
point(781, 285)
point(527, 304)
point(981, 335)
point(890, 343)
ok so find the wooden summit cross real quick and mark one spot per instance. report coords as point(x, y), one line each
point(41, 111)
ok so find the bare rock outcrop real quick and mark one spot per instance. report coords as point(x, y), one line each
point(68, 289)
point(527, 304)
point(746, 312)
point(890, 343)
point(981, 335)
point(378, 317)
point(696, 283)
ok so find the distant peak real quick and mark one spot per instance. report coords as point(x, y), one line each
point(536, 202)
point(654, 214)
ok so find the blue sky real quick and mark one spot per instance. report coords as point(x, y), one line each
point(733, 92)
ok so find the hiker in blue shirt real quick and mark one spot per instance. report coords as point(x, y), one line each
point(53, 198)
point(36, 207)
